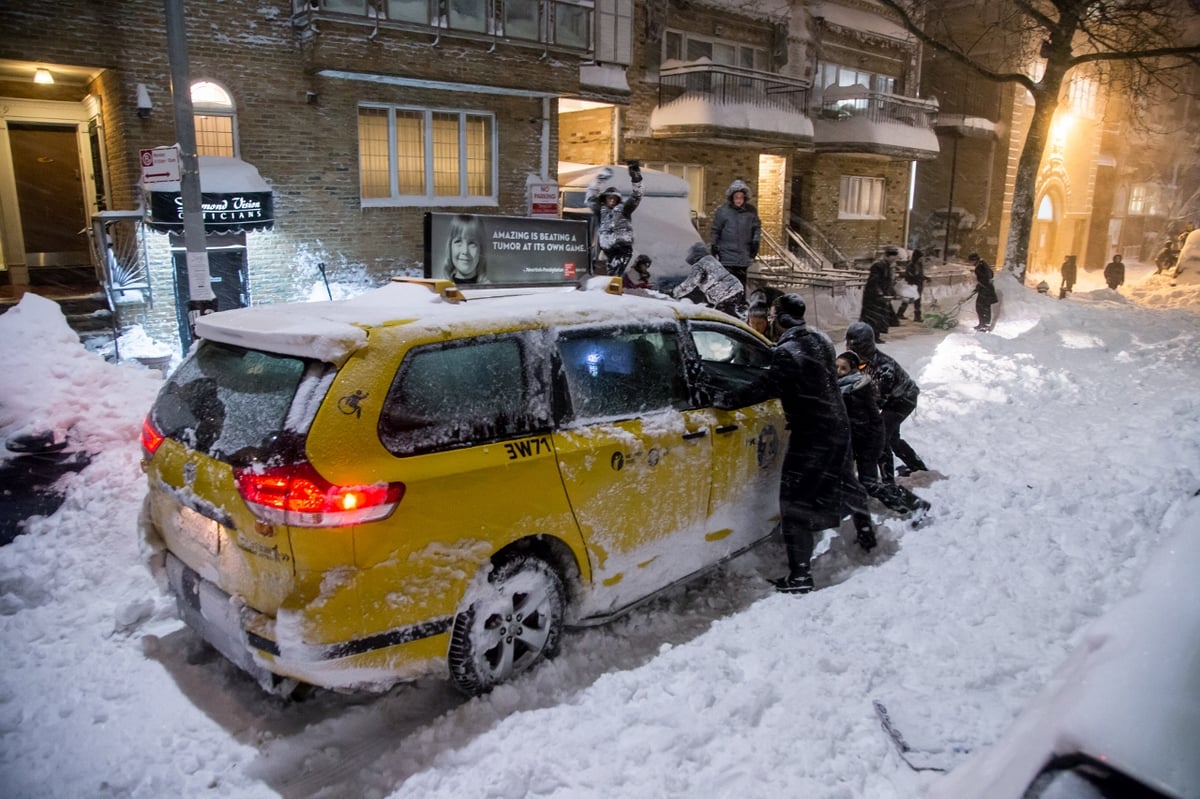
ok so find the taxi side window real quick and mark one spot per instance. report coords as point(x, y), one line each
point(621, 373)
point(733, 365)
point(460, 395)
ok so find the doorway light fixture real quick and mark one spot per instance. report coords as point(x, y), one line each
point(42, 75)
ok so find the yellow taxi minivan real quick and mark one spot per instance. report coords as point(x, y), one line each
point(353, 493)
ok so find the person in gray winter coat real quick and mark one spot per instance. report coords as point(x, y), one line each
point(721, 290)
point(614, 216)
point(898, 399)
point(736, 231)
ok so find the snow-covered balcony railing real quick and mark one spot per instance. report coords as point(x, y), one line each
point(855, 119)
point(558, 24)
point(705, 101)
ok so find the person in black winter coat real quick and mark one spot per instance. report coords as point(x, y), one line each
point(985, 291)
point(876, 299)
point(736, 231)
point(867, 435)
point(898, 399)
point(1070, 270)
point(914, 275)
point(1114, 272)
point(614, 216)
point(812, 485)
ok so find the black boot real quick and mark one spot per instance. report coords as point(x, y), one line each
point(866, 531)
point(800, 581)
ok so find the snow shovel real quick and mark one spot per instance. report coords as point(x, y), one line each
point(944, 320)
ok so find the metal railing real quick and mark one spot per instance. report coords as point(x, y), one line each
point(119, 247)
point(878, 107)
point(723, 84)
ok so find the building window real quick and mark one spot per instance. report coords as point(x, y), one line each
point(861, 198)
point(1083, 94)
point(836, 75)
point(685, 46)
point(614, 32)
point(408, 156)
point(1145, 199)
point(562, 22)
point(215, 119)
point(693, 174)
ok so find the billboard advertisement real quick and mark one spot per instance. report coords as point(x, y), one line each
point(484, 250)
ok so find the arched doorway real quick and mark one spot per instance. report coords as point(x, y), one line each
point(1045, 231)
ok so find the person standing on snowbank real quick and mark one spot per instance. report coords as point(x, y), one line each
point(614, 216)
point(985, 292)
point(1114, 272)
point(1069, 269)
point(736, 231)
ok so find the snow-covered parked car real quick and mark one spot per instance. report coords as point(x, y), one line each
point(408, 482)
point(1121, 718)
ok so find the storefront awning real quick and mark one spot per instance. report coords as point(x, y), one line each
point(234, 197)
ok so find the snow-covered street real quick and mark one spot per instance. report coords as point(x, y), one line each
point(1063, 449)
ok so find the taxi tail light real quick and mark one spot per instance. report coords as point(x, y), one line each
point(151, 438)
point(298, 496)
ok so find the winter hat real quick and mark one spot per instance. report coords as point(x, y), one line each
point(789, 310)
point(696, 252)
point(891, 251)
point(860, 337)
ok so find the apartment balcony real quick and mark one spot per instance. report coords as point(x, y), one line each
point(968, 107)
point(852, 119)
point(721, 104)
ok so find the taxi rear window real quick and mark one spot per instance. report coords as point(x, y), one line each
point(229, 402)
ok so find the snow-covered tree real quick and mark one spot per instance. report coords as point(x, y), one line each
point(1127, 44)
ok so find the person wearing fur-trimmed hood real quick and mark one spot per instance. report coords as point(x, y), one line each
point(736, 231)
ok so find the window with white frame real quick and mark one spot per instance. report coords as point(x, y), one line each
point(408, 156)
point(835, 75)
point(1145, 199)
point(614, 37)
point(215, 117)
point(861, 198)
point(686, 46)
point(693, 174)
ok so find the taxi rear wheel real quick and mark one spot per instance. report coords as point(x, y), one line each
point(508, 625)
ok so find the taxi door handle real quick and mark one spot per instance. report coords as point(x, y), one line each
point(697, 434)
point(727, 428)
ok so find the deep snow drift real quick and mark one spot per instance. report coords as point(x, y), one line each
point(1064, 446)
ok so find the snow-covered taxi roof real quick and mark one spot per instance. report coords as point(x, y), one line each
point(331, 331)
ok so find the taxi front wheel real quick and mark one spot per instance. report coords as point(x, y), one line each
point(508, 625)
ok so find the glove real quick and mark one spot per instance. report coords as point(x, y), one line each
point(635, 171)
point(714, 250)
point(605, 174)
point(753, 250)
